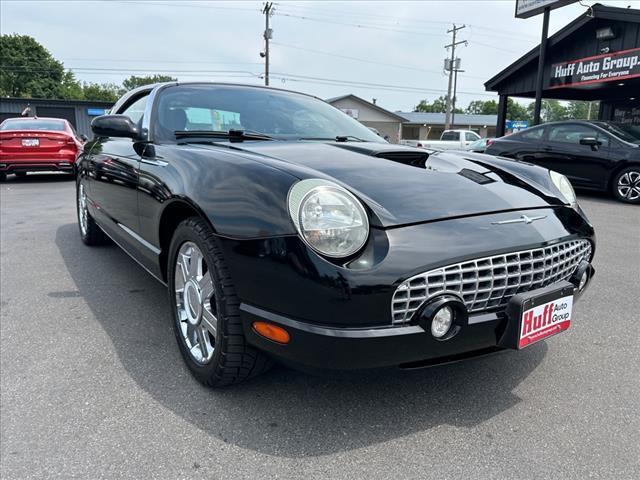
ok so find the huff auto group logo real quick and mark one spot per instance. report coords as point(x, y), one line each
point(545, 320)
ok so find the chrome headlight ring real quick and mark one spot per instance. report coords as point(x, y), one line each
point(328, 218)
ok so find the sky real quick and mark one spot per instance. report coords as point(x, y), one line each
point(391, 51)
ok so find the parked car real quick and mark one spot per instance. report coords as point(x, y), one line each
point(479, 146)
point(595, 155)
point(284, 229)
point(452, 140)
point(31, 144)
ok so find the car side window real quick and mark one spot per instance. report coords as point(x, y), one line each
point(135, 111)
point(450, 136)
point(470, 136)
point(572, 134)
point(532, 134)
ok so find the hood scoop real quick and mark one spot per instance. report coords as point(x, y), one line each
point(415, 159)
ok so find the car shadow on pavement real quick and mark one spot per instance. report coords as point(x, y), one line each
point(284, 412)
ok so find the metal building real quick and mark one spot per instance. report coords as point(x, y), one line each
point(78, 112)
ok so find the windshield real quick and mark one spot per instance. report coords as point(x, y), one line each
point(627, 132)
point(33, 124)
point(281, 115)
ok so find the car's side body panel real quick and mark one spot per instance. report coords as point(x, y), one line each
point(586, 167)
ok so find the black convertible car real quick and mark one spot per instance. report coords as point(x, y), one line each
point(286, 230)
point(595, 155)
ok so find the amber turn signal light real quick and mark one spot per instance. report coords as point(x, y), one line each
point(272, 332)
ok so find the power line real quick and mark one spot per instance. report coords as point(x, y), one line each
point(294, 77)
point(373, 27)
point(181, 4)
point(518, 36)
point(360, 25)
point(363, 60)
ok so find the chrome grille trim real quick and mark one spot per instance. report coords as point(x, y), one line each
point(490, 282)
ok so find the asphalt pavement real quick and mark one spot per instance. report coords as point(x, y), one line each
point(93, 386)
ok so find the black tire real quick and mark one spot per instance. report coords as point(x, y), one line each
point(21, 174)
point(93, 234)
point(3, 176)
point(626, 185)
point(233, 360)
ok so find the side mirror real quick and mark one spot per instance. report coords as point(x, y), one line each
point(590, 141)
point(115, 126)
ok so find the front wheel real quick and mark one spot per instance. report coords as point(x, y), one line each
point(626, 185)
point(90, 233)
point(206, 315)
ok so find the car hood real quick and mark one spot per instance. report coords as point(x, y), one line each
point(405, 185)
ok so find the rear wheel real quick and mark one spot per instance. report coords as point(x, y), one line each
point(3, 176)
point(90, 233)
point(626, 185)
point(206, 315)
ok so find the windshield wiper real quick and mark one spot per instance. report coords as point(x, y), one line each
point(232, 134)
point(346, 138)
point(338, 138)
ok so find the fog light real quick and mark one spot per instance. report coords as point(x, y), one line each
point(441, 322)
point(583, 281)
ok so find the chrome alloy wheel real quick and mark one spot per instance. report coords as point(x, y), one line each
point(195, 300)
point(83, 214)
point(629, 185)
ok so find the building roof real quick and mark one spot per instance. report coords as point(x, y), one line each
point(439, 118)
point(56, 101)
point(596, 11)
point(369, 104)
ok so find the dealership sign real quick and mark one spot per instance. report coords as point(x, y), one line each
point(529, 8)
point(609, 67)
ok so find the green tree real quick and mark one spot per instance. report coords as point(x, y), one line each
point(515, 111)
point(29, 70)
point(135, 82)
point(582, 110)
point(551, 111)
point(106, 92)
point(483, 107)
point(439, 105)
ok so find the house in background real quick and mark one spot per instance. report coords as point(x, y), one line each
point(388, 124)
point(423, 126)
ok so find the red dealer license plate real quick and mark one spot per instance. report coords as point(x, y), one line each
point(545, 320)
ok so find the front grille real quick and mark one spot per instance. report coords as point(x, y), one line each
point(488, 283)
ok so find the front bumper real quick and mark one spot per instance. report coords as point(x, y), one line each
point(339, 315)
point(330, 348)
point(65, 165)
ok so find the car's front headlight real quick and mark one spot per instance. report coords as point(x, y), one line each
point(328, 218)
point(562, 183)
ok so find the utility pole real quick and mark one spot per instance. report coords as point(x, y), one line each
point(452, 45)
point(456, 70)
point(268, 11)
